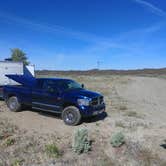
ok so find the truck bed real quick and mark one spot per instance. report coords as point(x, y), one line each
point(22, 92)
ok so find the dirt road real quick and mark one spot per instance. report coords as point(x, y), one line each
point(148, 96)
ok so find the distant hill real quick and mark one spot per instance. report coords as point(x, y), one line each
point(161, 71)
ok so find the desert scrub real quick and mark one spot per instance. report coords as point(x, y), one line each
point(123, 107)
point(117, 139)
point(17, 162)
point(97, 124)
point(120, 124)
point(6, 128)
point(143, 155)
point(132, 114)
point(81, 143)
point(52, 150)
point(9, 141)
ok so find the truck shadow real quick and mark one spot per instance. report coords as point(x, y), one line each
point(163, 146)
point(47, 114)
point(96, 118)
point(93, 119)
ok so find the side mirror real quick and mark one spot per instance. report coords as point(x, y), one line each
point(82, 85)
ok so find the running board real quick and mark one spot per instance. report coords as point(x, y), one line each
point(45, 110)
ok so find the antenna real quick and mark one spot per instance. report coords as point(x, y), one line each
point(98, 64)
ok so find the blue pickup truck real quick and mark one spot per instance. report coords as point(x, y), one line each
point(57, 95)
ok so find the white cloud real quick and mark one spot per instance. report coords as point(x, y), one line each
point(42, 27)
point(156, 10)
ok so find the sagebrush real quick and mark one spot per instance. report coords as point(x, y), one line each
point(117, 139)
point(81, 143)
point(52, 150)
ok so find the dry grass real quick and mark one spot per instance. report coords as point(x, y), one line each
point(9, 141)
point(53, 151)
point(123, 107)
point(119, 124)
point(31, 149)
point(17, 148)
point(132, 114)
point(144, 156)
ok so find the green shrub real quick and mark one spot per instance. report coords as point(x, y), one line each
point(52, 150)
point(81, 143)
point(17, 162)
point(9, 142)
point(117, 139)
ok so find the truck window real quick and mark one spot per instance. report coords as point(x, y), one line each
point(68, 85)
point(39, 84)
point(50, 86)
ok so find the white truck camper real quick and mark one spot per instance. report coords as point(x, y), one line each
point(9, 67)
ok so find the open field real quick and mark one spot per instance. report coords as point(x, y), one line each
point(136, 107)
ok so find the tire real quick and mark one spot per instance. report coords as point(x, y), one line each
point(13, 104)
point(71, 116)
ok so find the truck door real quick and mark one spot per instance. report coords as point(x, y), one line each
point(46, 96)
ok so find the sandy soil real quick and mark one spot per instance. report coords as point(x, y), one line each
point(136, 106)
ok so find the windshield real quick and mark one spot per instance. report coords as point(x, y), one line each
point(69, 84)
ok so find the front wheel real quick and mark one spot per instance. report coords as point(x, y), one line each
point(71, 116)
point(13, 104)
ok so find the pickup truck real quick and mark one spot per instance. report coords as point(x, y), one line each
point(57, 95)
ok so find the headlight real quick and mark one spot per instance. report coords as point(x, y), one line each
point(83, 102)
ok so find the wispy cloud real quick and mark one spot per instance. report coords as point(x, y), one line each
point(56, 29)
point(104, 43)
point(131, 42)
point(153, 8)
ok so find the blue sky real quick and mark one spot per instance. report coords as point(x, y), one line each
point(75, 34)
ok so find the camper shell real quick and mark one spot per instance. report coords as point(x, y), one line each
point(13, 68)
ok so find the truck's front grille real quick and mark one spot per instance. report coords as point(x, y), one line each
point(97, 101)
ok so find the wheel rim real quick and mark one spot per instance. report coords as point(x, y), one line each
point(12, 104)
point(69, 118)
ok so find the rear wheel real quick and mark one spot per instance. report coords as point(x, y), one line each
point(71, 116)
point(13, 104)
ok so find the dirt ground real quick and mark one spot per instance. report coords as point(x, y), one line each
point(136, 106)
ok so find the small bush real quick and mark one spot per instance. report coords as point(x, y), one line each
point(9, 142)
point(120, 124)
point(1, 137)
point(117, 139)
point(81, 142)
point(52, 150)
point(132, 114)
point(123, 107)
point(97, 124)
point(17, 162)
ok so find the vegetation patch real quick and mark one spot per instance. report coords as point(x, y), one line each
point(117, 139)
point(17, 162)
point(52, 150)
point(97, 124)
point(105, 162)
point(9, 142)
point(81, 143)
point(132, 114)
point(6, 129)
point(120, 124)
point(123, 107)
point(143, 155)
